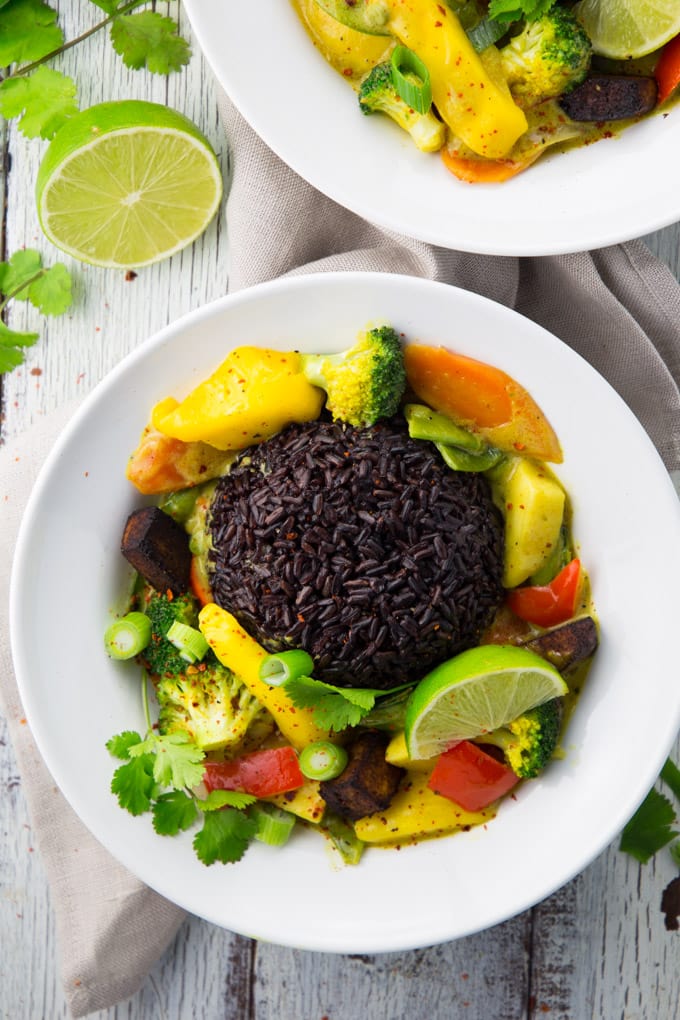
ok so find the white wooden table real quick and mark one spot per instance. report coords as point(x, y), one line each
point(596, 949)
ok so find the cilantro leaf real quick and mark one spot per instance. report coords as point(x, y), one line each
point(148, 39)
point(670, 774)
point(51, 292)
point(225, 836)
point(515, 10)
point(334, 707)
point(217, 799)
point(11, 344)
point(173, 812)
point(28, 31)
point(133, 784)
point(176, 759)
point(25, 279)
point(19, 271)
point(650, 827)
point(119, 745)
point(43, 101)
point(110, 6)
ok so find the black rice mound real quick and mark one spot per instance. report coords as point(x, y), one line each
point(360, 546)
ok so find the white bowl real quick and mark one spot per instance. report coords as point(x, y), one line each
point(69, 576)
point(590, 197)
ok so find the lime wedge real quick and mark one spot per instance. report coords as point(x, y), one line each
point(126, 184)
point(474, 693)
point(622, 29)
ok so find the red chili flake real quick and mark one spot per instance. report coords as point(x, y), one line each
point(438, 24)
point(36, 371)
point(347, 72)
point(130, 275)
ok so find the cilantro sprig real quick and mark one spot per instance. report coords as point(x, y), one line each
point(336, 708)
point(158, 775)
point(42, 99)
point(24, 278)
point(651, 827)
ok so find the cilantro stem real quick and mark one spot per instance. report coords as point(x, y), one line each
point(145, 701)
point(123, 9)
point(24, 285)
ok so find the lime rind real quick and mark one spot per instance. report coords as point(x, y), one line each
point(472, 694)
point(127, 185)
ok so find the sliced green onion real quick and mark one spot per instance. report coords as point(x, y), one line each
point(322, 760)
point(487, 32)
point(411, 79)
point(277, 669)
point(274, 825)
point(188, 641)
point(128, 636)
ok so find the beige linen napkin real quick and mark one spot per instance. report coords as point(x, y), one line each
point(619, 307)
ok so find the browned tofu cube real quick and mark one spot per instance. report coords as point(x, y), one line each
point(158, 548)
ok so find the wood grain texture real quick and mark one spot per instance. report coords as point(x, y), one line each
point(595, 949)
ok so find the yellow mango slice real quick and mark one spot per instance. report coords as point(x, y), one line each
point(397, 754)
point(306, 802)
point(417, 812)
point(533, 502)
point(353, 54)
point(253, 394)
point(471, 102)
point(240, 653)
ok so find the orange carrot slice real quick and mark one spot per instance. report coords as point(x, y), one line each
point(482, 398)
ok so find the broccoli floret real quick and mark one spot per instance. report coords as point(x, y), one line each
point(204, 699)
point(377, 94)
point(529, 742)
point(210, 704)
point(160, 657)
point(548, 58)
point(364, 383)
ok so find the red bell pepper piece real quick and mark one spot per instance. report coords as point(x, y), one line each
point(549, 604)
point(262, 773)
point(667, 70)
point(470, 777)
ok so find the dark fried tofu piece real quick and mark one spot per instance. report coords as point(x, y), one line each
point(610, 97)
point(568, 645)
point(158, 548)
point(368, 783)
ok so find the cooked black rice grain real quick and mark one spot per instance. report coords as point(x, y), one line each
point(360, 546)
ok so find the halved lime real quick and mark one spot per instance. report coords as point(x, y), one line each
point(474, 693)
point(126, 184)
point(628, 28)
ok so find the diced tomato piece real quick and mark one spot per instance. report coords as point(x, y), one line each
point(549, 604)
point(667, 70)
point(262, 773)
point(469, 776)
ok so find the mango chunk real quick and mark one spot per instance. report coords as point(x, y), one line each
point(241, 653)
point(305, 802)
point(533, 503)
point(397, 754)
point(252, 396)
point(417, 812)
